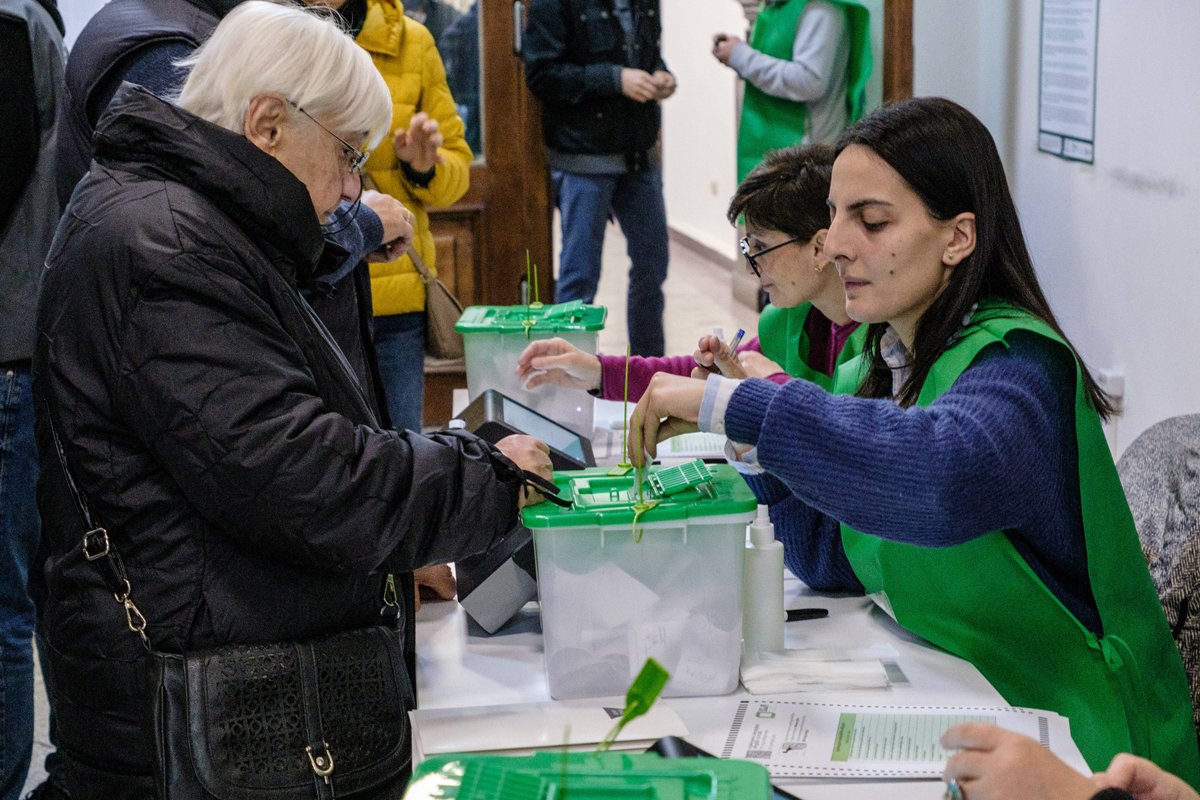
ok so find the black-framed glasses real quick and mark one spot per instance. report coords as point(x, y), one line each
point(355, 158)
point(752, 258)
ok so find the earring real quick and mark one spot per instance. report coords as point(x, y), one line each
point(820, 267)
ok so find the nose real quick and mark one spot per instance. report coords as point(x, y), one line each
point(351, 186)
point(836, 242)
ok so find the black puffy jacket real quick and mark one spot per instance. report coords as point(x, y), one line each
point(573, 52)
point(216, 431)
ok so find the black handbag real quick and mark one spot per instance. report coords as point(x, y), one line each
point(326, 718)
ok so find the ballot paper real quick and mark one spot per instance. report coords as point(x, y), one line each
point(523, 728)
point(832, 740)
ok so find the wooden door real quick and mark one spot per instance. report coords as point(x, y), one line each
point(482, 239)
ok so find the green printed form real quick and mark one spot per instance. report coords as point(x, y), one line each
point(895, 737)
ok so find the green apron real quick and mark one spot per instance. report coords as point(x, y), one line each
point(769, 122)
point(782, 338)
point(1125, 691)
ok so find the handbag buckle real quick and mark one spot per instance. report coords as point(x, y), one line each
point(95, 544)
point(322, 764)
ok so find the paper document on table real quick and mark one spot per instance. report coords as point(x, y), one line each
point(693, 445)
point(801, 740)
point(523, 728)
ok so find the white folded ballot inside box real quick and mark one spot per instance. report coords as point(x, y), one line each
point(524, 728)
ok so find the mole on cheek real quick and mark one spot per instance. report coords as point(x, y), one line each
point(891, 272)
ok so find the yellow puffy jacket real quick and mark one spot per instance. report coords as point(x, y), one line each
point(404, 53)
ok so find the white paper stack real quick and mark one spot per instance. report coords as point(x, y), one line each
point(523, 728)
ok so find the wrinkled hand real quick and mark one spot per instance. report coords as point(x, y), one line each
point(996, 764)
point(669, 407)
point(666, 84)
point(559, 363)
point(397, 225)
point(530, 454)
point(723, 47)
point(638, 85)
point(713, 355)
point(755, 365)
point(417, 145)
point(1143, 780)
point(433, 583)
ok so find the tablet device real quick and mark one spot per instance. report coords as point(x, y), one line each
point(492, 416)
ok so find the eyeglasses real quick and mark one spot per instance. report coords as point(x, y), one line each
point(752, 258)
point(355, 158)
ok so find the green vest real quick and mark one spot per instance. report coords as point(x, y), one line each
point(1123, 692)
point(783, 340)
point(769, 122)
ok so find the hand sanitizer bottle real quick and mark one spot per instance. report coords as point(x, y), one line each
point(762, 589)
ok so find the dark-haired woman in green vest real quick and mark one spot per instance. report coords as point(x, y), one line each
point(804, 332)
point(968, 486)
point(806, 69)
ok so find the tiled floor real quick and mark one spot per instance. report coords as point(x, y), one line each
point(698, 299)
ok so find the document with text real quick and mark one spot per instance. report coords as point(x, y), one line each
point(803, 740)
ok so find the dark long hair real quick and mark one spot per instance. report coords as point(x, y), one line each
point(787, 191)
point(949, 159)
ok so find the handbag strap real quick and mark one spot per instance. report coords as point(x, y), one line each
point(96, 546)
point(426, 275)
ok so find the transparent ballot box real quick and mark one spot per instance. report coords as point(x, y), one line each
point(623, 577)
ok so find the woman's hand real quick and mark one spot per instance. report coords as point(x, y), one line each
point(531, 455)
point(559, 363)
point(669, 407)
point(397, 224)
point(1143, 780)
point(755, 365)
point(417, 145)
point(996, 764)
point(714, 355)
point(433, 583)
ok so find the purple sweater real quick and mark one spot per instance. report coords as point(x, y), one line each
point(995, 452)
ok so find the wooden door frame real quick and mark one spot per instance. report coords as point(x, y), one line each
point(897, 50)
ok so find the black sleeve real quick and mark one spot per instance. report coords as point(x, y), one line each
point(1113, 794)
point(549, 73)
point(19, 135)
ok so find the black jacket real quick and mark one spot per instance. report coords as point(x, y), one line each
point(216, 431)
point(574, 50)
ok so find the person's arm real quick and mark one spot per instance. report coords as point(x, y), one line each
point(549, 74)
point(808, 75)
point(257, 451)
point(641, 370)
point(151, 66)
point(996, 764)
point(974, 461)
point(20, 134)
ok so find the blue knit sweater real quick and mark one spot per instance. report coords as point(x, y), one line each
point(995, 452)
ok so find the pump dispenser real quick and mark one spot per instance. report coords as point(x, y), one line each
point(762, 588)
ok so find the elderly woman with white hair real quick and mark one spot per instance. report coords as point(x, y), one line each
point(208, 458)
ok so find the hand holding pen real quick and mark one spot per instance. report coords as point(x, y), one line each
point(714, 356)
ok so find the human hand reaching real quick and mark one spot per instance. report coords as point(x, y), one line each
point(397, 225)
point(417, 145)
point(670, 406)
point(559, 363)
point(532, 455)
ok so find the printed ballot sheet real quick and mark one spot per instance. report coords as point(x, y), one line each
point(801, 740)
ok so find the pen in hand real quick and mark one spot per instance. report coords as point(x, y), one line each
point(735, 341)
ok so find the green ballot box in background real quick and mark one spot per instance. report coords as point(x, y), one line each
point(494, 336)
point(615, 590)
point(613, 776)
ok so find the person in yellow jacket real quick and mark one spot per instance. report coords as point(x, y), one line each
point(427, 165)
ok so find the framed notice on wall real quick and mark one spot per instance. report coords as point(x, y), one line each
point(1067, 79)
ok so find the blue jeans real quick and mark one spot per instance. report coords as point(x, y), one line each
point(400, 351)
point(636, 199)
point(19, 536)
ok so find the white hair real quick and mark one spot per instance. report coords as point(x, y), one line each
point(302, 54)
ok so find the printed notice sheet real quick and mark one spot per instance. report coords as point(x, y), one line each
point(803, 740)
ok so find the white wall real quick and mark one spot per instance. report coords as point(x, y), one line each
point(699, 121)
point(75, 14)
point(1114, 242)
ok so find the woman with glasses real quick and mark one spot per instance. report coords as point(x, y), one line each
point(205, 416)
point(967, 484)
point(803, 333)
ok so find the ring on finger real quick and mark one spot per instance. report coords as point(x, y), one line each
point(953, 790)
